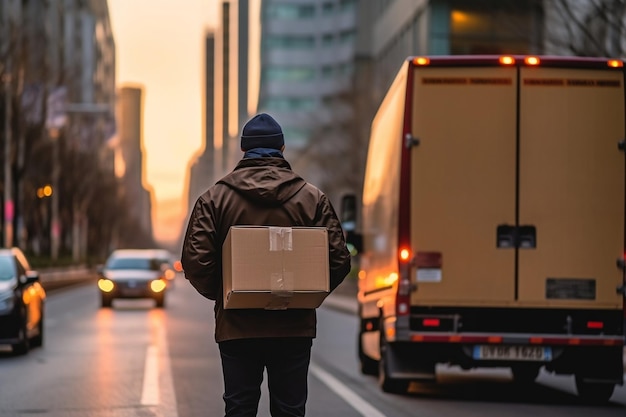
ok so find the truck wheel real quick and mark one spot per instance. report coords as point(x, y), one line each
point(388, 384)
point(525, 374)
point(594, 392)
point(368, 365)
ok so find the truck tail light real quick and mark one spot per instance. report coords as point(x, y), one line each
point(403, 296)
point(532, 60)
point(507, 60)
point(615, 63)
point(597, 325)
point(430, 322)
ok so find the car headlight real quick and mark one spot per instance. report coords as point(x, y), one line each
point(106, 285)
point(158, 285)
point(7, 302)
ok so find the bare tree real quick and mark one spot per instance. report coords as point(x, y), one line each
point(585, 27)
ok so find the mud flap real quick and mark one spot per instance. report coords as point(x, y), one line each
point(403, 361)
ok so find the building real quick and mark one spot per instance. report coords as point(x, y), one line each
point(308, 57)
point(321, 68)
point(129, 161)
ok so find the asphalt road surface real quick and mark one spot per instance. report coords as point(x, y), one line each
point(136, 360)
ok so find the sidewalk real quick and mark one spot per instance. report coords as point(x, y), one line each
point(344, 299)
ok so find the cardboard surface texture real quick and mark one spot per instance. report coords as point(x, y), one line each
point(275, 267)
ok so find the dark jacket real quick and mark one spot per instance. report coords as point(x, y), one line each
point(259, 191)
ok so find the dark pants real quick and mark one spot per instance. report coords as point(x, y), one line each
point(287, 363)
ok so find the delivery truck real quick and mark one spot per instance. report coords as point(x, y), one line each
point(491, 226)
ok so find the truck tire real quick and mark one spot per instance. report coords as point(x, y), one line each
point(594, 392)
point(368, 365)
point(386, 382)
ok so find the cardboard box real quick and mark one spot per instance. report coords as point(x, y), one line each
point(275, 268)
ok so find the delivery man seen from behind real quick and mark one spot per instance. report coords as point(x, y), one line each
point(262, 190)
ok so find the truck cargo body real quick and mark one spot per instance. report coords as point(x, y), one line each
point(493, 221)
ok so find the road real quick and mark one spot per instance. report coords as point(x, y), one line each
point(135, 360)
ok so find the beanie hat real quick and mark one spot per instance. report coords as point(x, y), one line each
point(262, 131)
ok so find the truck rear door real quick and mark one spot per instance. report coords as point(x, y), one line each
point(517, 185)
point(463, 181)
point(571, 186)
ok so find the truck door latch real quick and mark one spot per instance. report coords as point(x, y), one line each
point(621, 145)
point(621, 290)
point(410, 141)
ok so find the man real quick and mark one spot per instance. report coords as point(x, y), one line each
point(261, 190)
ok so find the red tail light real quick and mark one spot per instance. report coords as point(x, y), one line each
point(430, 322)
point(595, 325)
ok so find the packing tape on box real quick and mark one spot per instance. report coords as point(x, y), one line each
point(281, 282)
point(281, 238)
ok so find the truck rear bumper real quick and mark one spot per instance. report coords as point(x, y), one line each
point(412, 360)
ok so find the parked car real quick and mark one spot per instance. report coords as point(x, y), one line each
point(22, 300)
point(133, 273)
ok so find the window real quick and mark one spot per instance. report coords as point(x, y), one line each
point(290, 11)
point(131, 263)
point(347, 36)
point(7, 270)
point(490, 28)
point(287, 74)
point(289, 103)
point(347, 5)
point(328, 39)
point(289, 41)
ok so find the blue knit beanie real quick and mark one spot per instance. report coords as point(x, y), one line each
point(262, 131)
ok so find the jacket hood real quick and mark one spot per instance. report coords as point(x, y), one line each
point(267, 181)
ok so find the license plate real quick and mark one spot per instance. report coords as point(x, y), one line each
point(512, 353)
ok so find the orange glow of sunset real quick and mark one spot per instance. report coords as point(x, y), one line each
point(160, 45)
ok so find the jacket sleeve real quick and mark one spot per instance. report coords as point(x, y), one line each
point(339, 256)
point(200, 259)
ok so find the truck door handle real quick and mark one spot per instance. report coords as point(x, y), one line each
point(505, 236)
point(527, 237)
point(523, 237)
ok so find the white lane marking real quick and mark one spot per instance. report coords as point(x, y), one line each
point(150, 392)
point(168, 395)
point(349, 396)
point(158, 384)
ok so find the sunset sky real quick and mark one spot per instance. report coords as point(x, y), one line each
point(160, 46)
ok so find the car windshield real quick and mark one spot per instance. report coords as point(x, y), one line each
point(6, 268)
point(132, 263)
